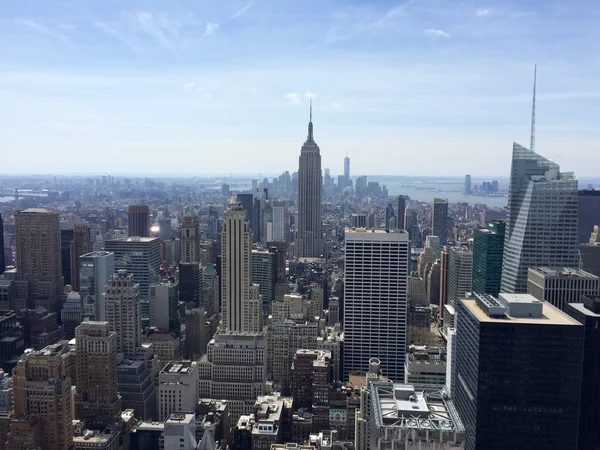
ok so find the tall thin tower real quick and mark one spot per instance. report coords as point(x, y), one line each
point(309, 241)
point(532, 138)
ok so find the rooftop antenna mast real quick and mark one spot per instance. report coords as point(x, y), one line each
point(532, 138)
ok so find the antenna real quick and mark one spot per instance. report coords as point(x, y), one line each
point(532, 139)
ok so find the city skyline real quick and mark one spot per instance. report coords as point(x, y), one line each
point(141, 82)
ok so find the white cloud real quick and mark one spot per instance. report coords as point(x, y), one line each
point(293, 98)
point(112, 31)
point(242, 11)
point(211, 28)
point(146, 20)
point(189, 86)
point(36, 26)
point(483, 12)
point(310, 95)
point(436, 33)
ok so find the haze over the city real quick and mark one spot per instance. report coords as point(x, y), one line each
point(406, 88)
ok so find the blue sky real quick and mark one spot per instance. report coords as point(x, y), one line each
point(426, 87)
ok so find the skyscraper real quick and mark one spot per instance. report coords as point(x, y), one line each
point(375, 299)
point(2, 261)
point(39, 273)
point(400, 212)
point(139, 220)
point(488, 248)
point(346, 171)
point(264, 274)
point(309, 239)
point(518, 365)
point(589, 213)
point(190, 239)
point(42, 389)
point(439, 220)
point(122, 312)
point(94, 270)
point(389, 213)
point(460, 269)
point(80, 245)
point(281, 222)
point(97, 401)
point(468, 184)
point(241, 302)
point(561, 286)
point(542, 219)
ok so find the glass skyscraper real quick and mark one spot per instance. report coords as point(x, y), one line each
point(488, 248)
point(542, 218)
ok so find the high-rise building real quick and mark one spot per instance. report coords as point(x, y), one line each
point(2, 260)
point(541, 230)
point(190, 239)
point(389, 214)
point(80, 245)
point(518, 365)
point(164, 307)
point(140, 256)
point(460, 267)
point(247, 202)
point(38, 264)
point(375, 299)
point(12, 343)
point(97, 401)
point(71, 314)
point(309, 239)
point(241, 301)
point(180, 431)
point(165, 229)
point(590, 257)
point(94, 270)
point(281, 222)
point(191, 287)
point(468, 190)
point(444, 266)
point(264, 274)
point(401, 212)
point(346, 171)
point(138, 220)
point(561, 286)
point(433, 283)
point(122, 312)
point(588, 314)
point(488, 248)
point(177, 388)
point(588, 213)
point(42, 389)
point(66, 236)
point(439, 219)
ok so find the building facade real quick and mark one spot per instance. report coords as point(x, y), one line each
point(138, 220)
point(561, 286)
point(190, 239)
point(177, 388)
point(80, 245)
point(488, 249)
point(439, 220)
point(94, 270)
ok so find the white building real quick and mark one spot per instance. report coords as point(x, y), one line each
point(178, 388)
point(180, 432)
point(94, 270)
point(460, 274)
point(425, 365)
point(561, 286)
point(163, 299)
point(375, 299)
point(281, 228)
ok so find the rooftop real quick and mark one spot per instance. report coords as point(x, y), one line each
point(178, 367)
point(564, 272)
point(178, 417)
point(37, 211)
point(96, 254)
point(375, 230)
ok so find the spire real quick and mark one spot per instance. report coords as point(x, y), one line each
point(310, 126)
point(532, 139)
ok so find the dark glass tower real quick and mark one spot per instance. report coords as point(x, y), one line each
point(517, 368)
point(2, 262)
point(488, 248)
point(400, 212)
point(439, 220)
point(589, 213)
point(66, 236)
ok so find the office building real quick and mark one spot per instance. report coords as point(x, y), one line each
point(12, 341)
point(281, 222)
point(191, 285)
point(38, 264)
point(97, 400)
point(375, 299)
point(42, 389)
point(234, 368)
point(587, 312)
point(417, 290)
point(425, 365)
point(66, 237)
point(247, 202)
point(590, 258)
point(426, 257)
point(165, 346)
point(241, 307)
point(389, 214)
point(488, 248)
point(137, 388)
point(434, 243)
point(190, 239)
point(439, 220)
point(509, 390)
point(200, 327)
point(407, 416)
point(433, 283)
point(138, 220)
point(400, 212)
point(264, 274)
point(561, 286)
point(180, 431)
point(177, 388)
point(80, 245)
point(346, 171)
point(71, 314)
point(309, 237)
point(588, 213)
point(460, 267)
point(165, 228)
point(122, 312)
point(2, 259)
point(541, 230)
point(467, 189)
point(140, 256)
point(358, 221)
point(94, 270)
point(164, 307)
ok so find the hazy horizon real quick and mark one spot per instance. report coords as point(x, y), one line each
point(426, 86)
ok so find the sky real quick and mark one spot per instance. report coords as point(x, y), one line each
point(431, 87)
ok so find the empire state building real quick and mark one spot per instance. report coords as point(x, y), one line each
point(309, 238)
